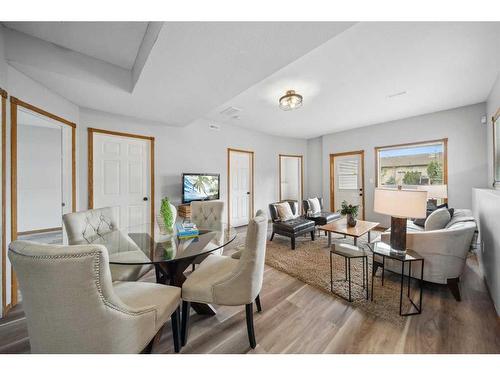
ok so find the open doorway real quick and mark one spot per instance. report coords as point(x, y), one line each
point(43, 175)
point(291, 178)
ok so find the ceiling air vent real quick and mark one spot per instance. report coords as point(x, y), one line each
point(231, 113)
point(214, 127)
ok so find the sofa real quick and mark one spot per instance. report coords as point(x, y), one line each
point(444, 250)
point(291, 228)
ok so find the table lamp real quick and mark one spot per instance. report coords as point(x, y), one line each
point(400, 204)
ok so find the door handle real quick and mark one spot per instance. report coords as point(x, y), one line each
point(248, 193)
point(145, 199)
point(63, 204)
point(360, 194)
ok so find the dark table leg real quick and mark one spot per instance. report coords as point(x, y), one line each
point(355, 241)
point(402, 286)
point(349, 263)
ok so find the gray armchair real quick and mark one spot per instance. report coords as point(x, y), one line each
point(72, 306)
point(228, 281)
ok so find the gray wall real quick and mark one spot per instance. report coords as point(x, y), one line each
point(314, 175)
point(467, 161)
point(195, 148)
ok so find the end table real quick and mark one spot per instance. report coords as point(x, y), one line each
point(349, 252)
point(383, 250)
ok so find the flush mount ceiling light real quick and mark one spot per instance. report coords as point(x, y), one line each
point(291, 100)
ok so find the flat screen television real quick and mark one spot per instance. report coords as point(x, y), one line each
point(200, 187)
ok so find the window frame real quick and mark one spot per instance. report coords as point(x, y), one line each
point(444, 141)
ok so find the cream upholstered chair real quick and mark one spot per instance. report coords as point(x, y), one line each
point(208, 215)
point(72, 306)
point(83, 227)
point(228, 281)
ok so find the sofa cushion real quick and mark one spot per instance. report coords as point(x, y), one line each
point(459, 216)
point(314, 205)
point(294, 225)
point(437, 219)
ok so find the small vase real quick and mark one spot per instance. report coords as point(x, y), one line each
point(351, 221)
point(161, 223)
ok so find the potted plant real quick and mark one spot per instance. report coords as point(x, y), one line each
point(166, 218)
point(351, 212)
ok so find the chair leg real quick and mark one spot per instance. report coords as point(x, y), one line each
point(293, 243)
point(186, 309)
point(454, 289)
point(250, 329)
point(312, 235)
point(257, 302)
point(272, 236)
point(175, 317)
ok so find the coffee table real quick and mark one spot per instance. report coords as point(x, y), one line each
point(340, 226)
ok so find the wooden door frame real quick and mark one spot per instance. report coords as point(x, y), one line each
point(90, 167)
point(14, 103)
point(332, 176)
point(3, 124)
point(301, 157)
point(252, 187)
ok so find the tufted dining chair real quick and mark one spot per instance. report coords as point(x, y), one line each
point(208, 215)
point(225, 280)
point(83, 227)
point(72, 306)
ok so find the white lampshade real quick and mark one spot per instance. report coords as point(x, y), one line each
point(401, 203)
point(435, 191)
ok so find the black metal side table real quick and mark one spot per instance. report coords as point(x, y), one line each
point(383, 250)
point(349, 252)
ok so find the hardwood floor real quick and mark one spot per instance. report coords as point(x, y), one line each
point(298, 318)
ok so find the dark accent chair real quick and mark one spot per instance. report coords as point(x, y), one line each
point(291, 228)
point(323, 217)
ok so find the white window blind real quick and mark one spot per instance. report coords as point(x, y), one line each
point(347, 171)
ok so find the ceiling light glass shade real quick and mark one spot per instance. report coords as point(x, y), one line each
point(291, 100)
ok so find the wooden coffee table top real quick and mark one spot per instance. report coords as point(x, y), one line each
point(340, 226)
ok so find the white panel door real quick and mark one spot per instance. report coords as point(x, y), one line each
point(348, 180)
point(240, 186)
point(122, 178)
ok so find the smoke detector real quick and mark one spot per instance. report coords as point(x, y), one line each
point(231, 113)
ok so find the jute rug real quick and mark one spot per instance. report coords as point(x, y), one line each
point(310, 263)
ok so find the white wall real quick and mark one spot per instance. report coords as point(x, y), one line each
point(194, 148)
point(314, 168)
point(467, 161)
point(39, 177)
point(492, 105)
point(486, 204)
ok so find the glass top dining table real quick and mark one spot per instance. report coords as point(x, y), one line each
point(134, 245)
point(168, 253)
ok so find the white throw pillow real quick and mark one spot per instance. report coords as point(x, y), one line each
point(437, 219)
point(285, 211)
point(314, 205)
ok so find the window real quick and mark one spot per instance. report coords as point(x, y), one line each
point(412, 165)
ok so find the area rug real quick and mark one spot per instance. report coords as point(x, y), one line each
point(310, 263)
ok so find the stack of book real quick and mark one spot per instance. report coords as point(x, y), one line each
point(187, 230)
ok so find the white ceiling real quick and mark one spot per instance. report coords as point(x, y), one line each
point(346, 81)
point(114, 42)
point(192, 68)
point(345, 71)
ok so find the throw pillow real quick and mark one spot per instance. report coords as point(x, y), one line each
point(314, 205)
point(421, 222)
point(437, 219)
point(284, 211)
